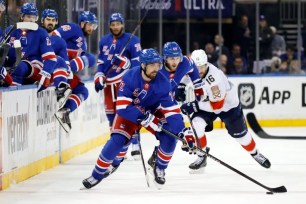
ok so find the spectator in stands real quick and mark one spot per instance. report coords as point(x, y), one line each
point(278, 44)
point(273, 66)
point(238, 66)
point(295, 67)
point(290, 55)
point(210, 51)
point(222, 63)
point(265, 38)
point(219, 42)
point(242, 35)
point(236, 52)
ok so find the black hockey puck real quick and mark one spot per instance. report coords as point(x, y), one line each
point(269, 192)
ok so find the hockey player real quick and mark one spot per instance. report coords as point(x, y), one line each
point(49, 19)
point(141, 92)
point(38, 57)
point(112, 66)
point(74, 35)
point(223, 102)
point(175, 68)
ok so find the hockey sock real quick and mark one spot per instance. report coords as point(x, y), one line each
point(119, 158)
point(108, 153)
point(135, 139)
point(79, 94)
point(248, 143)
point(59, 75)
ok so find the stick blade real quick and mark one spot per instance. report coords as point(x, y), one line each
point(281, 189)
point(27, 25)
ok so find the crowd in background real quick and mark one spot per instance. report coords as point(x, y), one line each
point(275, 55)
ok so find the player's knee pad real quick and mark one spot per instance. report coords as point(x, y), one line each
point(199, 125)
point(22, 71)
point(89, 60)
point(167, 143)
point(61, 63)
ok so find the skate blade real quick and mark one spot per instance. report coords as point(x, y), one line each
point(196, 171)
point(158, 186)
point(136, 157)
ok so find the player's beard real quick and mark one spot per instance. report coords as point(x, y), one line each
point(151, 76)
point(171, 68)
point(118, 34)
point(49, 28)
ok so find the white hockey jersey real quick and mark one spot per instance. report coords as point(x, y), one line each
point(220, 91)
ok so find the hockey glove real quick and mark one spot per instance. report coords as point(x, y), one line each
point(180, 94)
point(121, 61)
point(151, 123)
point(189, 108)
point(99, 81)
point(199, 91)
point(44, 79)
point(189, 142)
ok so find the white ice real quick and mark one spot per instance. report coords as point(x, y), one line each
point(218, 184)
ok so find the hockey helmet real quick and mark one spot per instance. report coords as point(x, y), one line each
point(116, 17)
point(199, 57)
point(29, 9)
point(2, 5)
point(149, 56)
point(49, 13)
point(172, 49)
point(88, 17)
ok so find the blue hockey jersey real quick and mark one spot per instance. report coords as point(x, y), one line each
point(108, 47)
point(185, 67)
point(73, 35)
point(60, 47)
point(136, 96)
point(36, 48)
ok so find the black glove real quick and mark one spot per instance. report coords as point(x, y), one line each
point(180, 93)
point(189, 108)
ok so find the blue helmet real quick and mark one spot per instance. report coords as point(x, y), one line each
point(116, 17)
point(88, 17)
point(172, 49)
point(49, 13)
point(29, 9)
point(150, 56)
point(2, 5)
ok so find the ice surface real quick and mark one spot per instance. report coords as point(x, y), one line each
point(218, 184)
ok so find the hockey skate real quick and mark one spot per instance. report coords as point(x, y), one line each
point(261, 159)
point(62, 115)
point(63, 91)
point(110, 170)
point(197, 167)
point(135, 152)
point(152, 159)
point(90, 182)
point(159, 177)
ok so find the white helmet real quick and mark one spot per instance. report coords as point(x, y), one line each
point(199, 57)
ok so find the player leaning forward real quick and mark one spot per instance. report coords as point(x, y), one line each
point(223, 102)
point(142, 92)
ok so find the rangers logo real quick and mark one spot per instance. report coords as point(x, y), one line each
point(246, 93)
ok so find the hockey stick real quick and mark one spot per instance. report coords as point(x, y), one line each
point(262, 134)
point(128, 41)
point(143, 163)
point(280, 189)
point(19, 25)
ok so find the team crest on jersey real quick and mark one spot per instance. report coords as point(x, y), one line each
point(216, 92)
point(48, 41)
point(146, 86)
